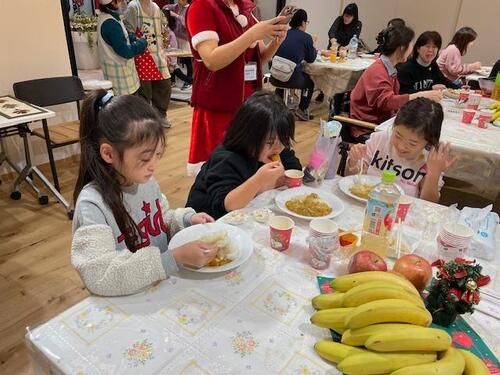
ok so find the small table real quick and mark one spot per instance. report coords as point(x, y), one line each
point(252, 320)
point(338, 77)
point(15, 116)
point(178, 53)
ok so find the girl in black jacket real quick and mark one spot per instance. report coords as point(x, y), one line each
point(345, 26)
point(242, 166)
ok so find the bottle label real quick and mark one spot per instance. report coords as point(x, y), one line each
point(379, 217)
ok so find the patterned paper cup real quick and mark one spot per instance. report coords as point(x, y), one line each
point(294, 177)
point(404, 205)
point(473, 102)
point(484, 117)
point(468, 115)
point(280, 228)
point(454, 240)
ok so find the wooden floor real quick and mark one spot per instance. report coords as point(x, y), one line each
point(37, 281)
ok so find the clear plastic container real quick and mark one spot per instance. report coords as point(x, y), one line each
point(353, 47)
point(380, 215)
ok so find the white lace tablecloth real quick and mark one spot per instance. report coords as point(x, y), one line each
point(478, 149)
point(252, 320)
point(333, 78)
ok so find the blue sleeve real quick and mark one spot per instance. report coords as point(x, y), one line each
point(112, 33)
point(131, 37)
point(310, 52)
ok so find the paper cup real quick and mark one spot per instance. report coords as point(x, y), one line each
point(465, 87)
point(463, 96)
point(404, 205)
point(323, 228)
point(323, 241)
point(468, 115)
point(484, 117)
point(454, 240)
point(294, 177)
point(473, 102)
point(280, 232)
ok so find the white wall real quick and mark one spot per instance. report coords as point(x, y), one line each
point(34, 46)
point(444, 16)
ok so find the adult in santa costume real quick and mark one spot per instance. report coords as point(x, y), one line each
point(117, 48)
point(228, 50)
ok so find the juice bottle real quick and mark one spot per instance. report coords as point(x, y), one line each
point(380, 215)
point(333, 55)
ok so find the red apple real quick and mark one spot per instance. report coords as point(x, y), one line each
point(366, 260)
point(416, 269)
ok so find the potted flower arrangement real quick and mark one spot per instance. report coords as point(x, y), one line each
point(84, 33)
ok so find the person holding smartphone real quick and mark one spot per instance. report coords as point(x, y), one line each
point(228, 51)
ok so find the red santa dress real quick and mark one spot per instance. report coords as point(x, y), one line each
point(216, 96)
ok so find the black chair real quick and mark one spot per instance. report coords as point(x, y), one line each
point(48, 92)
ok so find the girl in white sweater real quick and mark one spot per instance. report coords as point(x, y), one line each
point(122, 222)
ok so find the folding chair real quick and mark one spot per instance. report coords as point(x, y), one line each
point(48, 92)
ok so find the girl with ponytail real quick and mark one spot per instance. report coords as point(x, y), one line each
point(122, 222)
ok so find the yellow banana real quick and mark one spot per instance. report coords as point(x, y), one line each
point(346, 282)
point(452, 363)
point(358, 336)
point(356, 297)
point(495, 116)
point(331, 318)
point(473, 364)
point(421, 339)
point(327, 301)
point(495, 105)
point(335, 351)
point(380, 363)
point(387, 311)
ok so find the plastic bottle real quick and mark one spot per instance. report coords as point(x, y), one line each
point(353, 47)
point(380, 215)
point(496, 90)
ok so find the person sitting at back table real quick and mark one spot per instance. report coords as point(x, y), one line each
point(450, 58)
point(298, 46)
point(345, 26)
point(396, 22)
point(495, 70)
point(421, 71)
point(376, 96)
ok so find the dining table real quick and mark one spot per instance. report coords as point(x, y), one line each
point(337, 77)
point(477, 149)
point(254, 319)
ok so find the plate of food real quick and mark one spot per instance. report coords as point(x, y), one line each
point(360, 190)
point(451, 93)
point(308, 203)
point(235, 246)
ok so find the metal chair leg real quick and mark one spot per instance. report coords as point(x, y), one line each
point(51, 155)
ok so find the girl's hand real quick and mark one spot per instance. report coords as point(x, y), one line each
point(195, 254)
point(439, 159)
point(475, 66)
point(268, 175)
point(201, 218)
point(173, 14)
point(269, 29)
point(438, 87)
point(356, 153)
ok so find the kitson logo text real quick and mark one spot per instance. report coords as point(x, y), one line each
point(407, 174)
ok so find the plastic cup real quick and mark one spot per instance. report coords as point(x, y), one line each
point(294, 177)
point(468, 115)
point(280, 232)
point(473, 102)
point(404, 205)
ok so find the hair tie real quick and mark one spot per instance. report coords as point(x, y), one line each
point(106, 98)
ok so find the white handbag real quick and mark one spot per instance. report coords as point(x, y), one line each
point(282, 69)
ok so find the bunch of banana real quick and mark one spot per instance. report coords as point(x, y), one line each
point(383, 323)
point(495, 107)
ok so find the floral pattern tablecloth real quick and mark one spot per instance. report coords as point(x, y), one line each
point(251, 320)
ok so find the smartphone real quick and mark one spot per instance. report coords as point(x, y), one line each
point(288, 11)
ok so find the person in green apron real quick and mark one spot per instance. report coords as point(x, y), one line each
point(117, 48)
point(144, 17)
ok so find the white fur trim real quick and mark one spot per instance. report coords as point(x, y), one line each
point(105, 2)
point(242, 20)
point(203, 36)
point(194, 169)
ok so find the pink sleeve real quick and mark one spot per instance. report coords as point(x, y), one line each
point(454, 62)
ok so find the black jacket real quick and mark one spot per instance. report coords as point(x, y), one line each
point(344, 33)
point(414, 77)
point(224, 171)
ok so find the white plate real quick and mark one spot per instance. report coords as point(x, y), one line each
point(346, 182)
point(334, 202)
point(241, 240)
point(367, 56)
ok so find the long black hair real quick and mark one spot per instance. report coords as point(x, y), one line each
point(423, 116)
point(392, 38)
point(298, 18)
point(462, 38)
point(123, 122)
point(263, 115)
point(425, 38)
point(351, 10)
